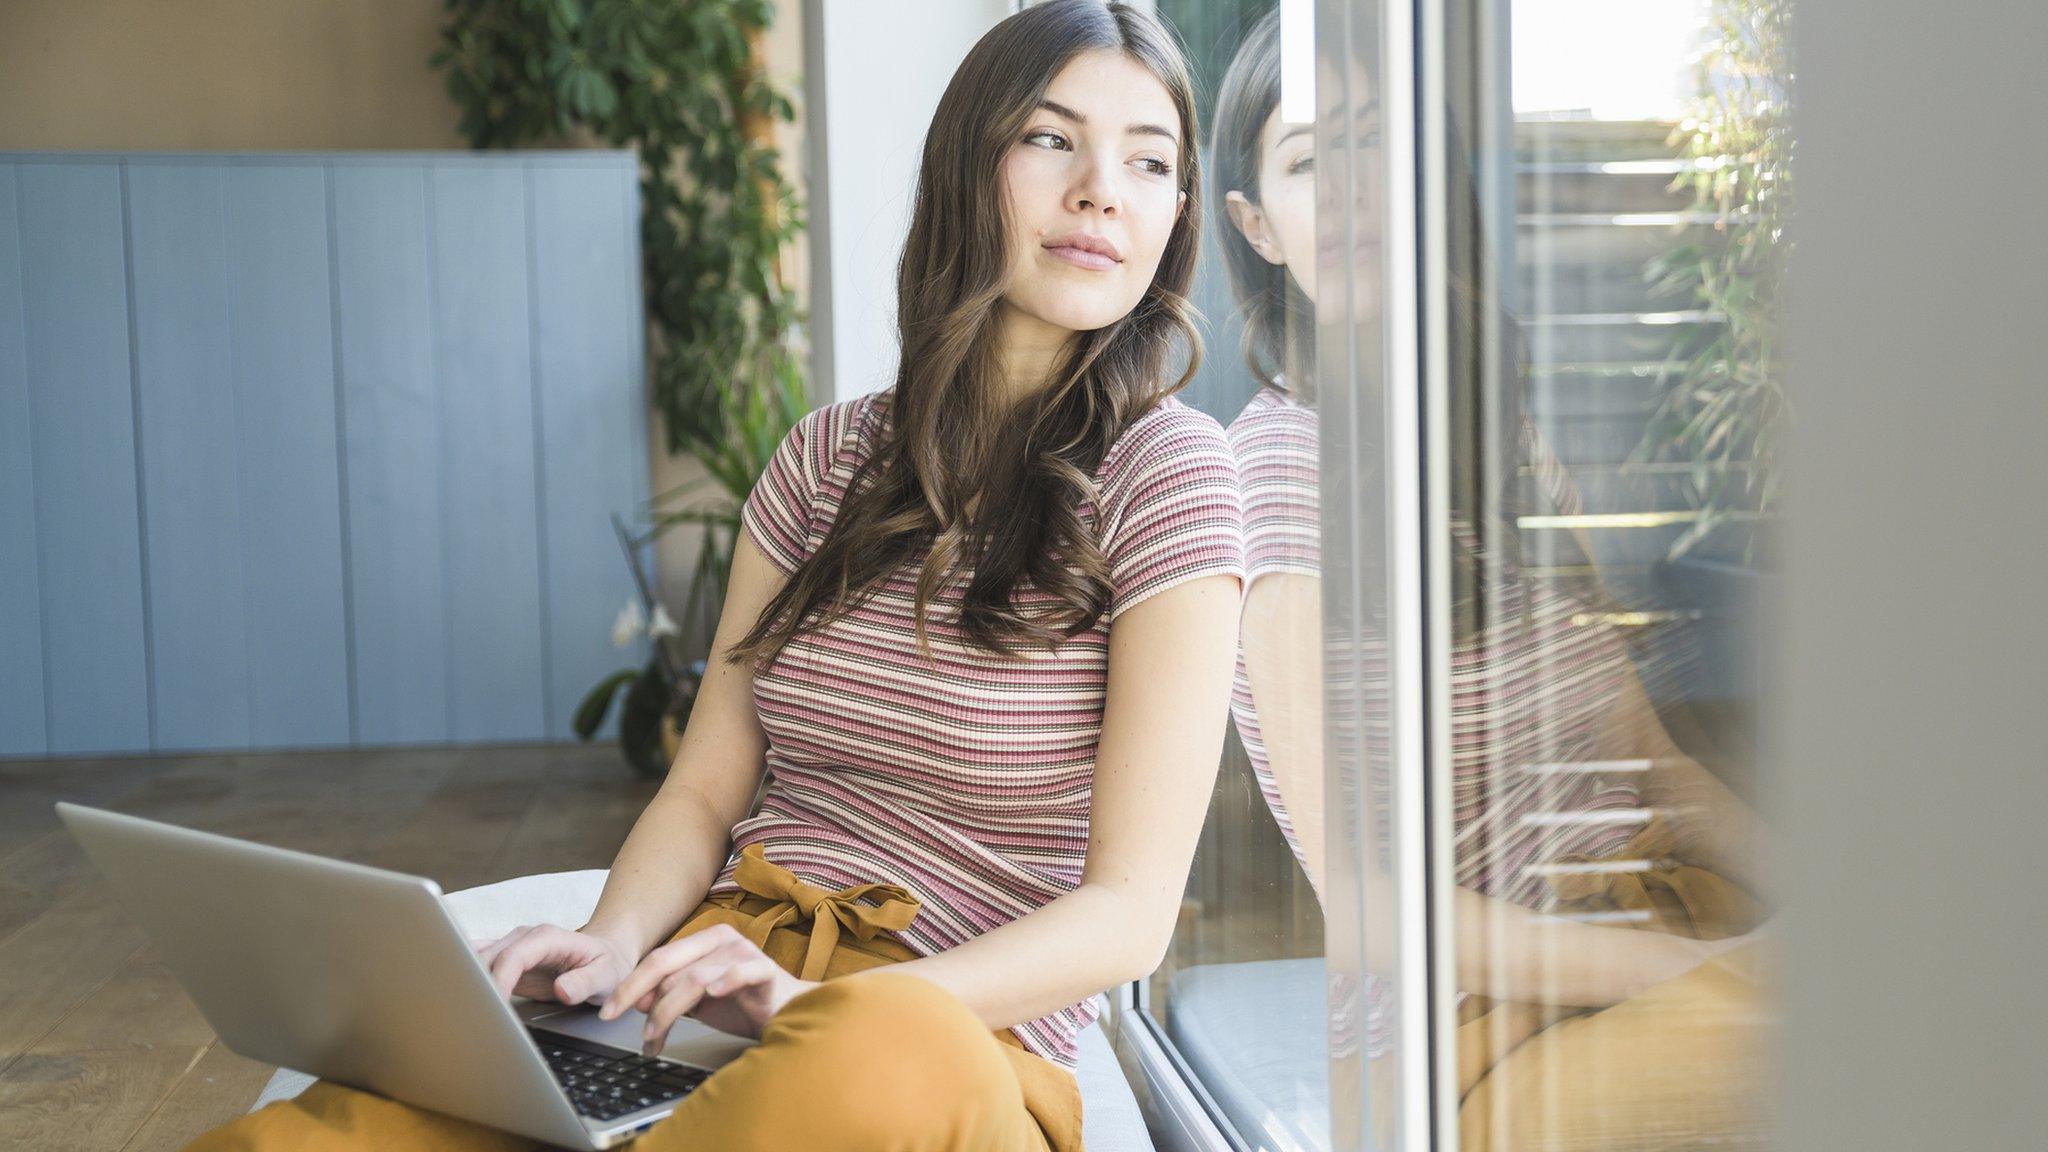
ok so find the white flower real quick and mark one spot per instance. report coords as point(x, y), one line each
point(627, 626)
point(662, 625)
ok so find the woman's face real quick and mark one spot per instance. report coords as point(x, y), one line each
point(1100, 157)
point(1281, 224)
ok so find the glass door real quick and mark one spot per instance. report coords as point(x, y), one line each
point(1600, 187)
point(1278, 1007)
point(1493, 288)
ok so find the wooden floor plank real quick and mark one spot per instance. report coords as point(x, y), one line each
point(32, 789)
point(139, 1023)
point(582, 818)
point(217, 1089)
point(89, 1100)
point(57, 960)
point(455, 837)
point(39, 877)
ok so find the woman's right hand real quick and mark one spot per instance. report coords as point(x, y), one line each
point(1758, 940)
point(548, 962)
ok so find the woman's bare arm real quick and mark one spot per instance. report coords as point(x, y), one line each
point(1168, 699)
point(682, 839)
point(1503, 950)
point(1283, 656)
point(1712, 827)
point(1507, 952)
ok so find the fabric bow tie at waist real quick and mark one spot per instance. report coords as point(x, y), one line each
point(799, 900)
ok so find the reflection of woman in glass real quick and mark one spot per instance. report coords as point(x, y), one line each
point(978, 635)
point(1576, 819)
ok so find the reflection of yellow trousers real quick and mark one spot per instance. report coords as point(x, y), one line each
point(891, 1061)
point(1679, 1066)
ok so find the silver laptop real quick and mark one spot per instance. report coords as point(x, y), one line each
point(361, 976)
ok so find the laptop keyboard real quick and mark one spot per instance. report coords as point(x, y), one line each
point(606, 1083)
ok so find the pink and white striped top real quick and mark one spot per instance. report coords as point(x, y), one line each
point(1275, 441)
point(1529, 694)
point(967, 778)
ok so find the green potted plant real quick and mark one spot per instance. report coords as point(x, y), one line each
point(680, 82)
point(1723, 408)
point(657, 697)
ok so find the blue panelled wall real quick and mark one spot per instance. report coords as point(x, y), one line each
point(307, 450)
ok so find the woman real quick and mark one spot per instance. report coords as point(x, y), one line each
point(1577, 1029)
point(979, 632)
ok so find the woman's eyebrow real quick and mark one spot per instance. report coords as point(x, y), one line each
point(1132, 130)
point(1368, 109)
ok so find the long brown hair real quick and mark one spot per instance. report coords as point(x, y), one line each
point(1486, 487)
point(1279, 320)
point(953, 440)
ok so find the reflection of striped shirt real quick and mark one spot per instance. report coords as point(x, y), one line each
point(1528, 694)
point(967, 779)
point(1275, 442)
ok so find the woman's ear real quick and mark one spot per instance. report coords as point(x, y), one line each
point(1251, 220)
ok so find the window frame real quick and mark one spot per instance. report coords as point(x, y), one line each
point(1410, 553)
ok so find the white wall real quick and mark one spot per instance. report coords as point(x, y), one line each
point(877, 69)
point(1914, 639)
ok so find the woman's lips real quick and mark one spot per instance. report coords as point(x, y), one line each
point(1082, 258)
point(1366, 250)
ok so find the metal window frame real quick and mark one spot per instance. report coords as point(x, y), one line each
point(1405, 410)
point(1414, 519)
point(1179, 1111)
point(1411, 423)
point(1434, 438)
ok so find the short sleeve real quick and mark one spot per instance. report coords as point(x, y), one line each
point(777, 513)
point(1553, 481)
point(1179, 514)
point(1276, 443)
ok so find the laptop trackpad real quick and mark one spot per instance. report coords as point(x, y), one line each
point(690, 1041)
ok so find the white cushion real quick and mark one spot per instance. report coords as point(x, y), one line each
point(1110, 1119)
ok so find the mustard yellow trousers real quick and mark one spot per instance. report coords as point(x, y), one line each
point(1682, 1065)
point(889, 1062)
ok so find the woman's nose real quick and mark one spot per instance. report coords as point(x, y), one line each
point(1095, 188)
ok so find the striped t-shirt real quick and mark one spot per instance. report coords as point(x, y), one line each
point(1529, 694)
point(967, 778)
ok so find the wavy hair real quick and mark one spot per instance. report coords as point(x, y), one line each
point(1486, 488)
point(962, 480)
point(1279, 320)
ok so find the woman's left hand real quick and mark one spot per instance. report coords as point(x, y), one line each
point(715, 975)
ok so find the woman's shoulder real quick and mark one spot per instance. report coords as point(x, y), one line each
point(1273, 420)
point(855, 415)
point(1172, 428)
point(833, 437)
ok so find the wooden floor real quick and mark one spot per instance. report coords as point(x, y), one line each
point(99, 1047)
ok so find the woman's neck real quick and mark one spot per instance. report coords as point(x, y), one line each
point(1027, 350)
